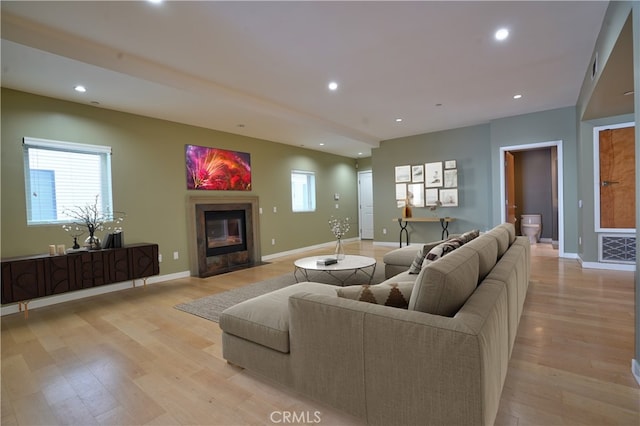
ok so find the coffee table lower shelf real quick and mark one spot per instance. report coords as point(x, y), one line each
point(307, 269)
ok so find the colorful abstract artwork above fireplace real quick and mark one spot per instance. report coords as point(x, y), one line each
point(217, 169)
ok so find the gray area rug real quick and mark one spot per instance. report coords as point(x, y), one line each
point(210, 307)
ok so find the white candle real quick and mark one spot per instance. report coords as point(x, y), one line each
point(52, 249)
point(61, 249)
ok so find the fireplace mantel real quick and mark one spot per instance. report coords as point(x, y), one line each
point(202, 265)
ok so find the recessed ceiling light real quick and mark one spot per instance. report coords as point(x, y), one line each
point(517, 96)
point(502, 34)
point(155, 1)
point(398, 120)
point(359, 153)
point(321, 144)
point(629, 93)
point(333, 85)
point(80, 88)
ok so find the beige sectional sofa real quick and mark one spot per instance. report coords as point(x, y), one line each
point(393, 366)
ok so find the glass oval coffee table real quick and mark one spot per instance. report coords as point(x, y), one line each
point(340, 272)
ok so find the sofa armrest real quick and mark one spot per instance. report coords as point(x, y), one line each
point(326, 349)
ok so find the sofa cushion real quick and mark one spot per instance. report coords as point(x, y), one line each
point(441, 250)
point(265, 319)
point(443, 286)
point(416, 265)
point(511, 229)
point(502, 237)
point(487, 248)
point(389, 293)
point(402, 256)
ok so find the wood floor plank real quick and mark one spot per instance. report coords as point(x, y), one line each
point(131, 358)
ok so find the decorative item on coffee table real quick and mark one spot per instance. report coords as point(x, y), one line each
point(339, 227)
point(91, 217)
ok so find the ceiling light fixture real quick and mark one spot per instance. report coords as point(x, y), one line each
point(502, 34)
point(398, 120)
point(333, 86)
point(628, 93)
point(80, 88)
point(321, 144)
point(517, 96)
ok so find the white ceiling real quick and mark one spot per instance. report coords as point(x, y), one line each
point(261, 69)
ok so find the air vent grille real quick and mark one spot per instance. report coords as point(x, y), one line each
point(618, 248)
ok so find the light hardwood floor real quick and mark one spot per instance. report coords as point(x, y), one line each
point(129, 357)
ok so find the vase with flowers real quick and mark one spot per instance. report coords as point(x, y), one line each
point(339, 227)
point(93, 219)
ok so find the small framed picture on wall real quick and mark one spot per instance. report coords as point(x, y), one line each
point(431, 197)
point(403, 173)
point(415, 193)
point(449, 197)
point(451, 178)
point(433, 175)
point(450, 164)
point(401, 191)
point(417, 173)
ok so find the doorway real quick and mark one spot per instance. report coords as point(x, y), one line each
point(509, 210)
point(614, 184)
point(365, 204)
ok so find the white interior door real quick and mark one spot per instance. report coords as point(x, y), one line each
point(365, 198)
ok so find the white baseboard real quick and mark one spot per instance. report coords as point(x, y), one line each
point(94, 291)
point(607, 266)
point(330, 244)
point(389, 243)
point(635, 369)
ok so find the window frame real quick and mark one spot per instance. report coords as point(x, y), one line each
point(309, 195)
point(104, 186)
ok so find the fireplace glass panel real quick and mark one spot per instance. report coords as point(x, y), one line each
point(225, 231)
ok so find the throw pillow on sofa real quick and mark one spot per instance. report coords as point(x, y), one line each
point(416, 265)
point(442, 249)
point(389, 294)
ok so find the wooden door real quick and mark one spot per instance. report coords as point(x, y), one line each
point(617, 178)
point(510, 188)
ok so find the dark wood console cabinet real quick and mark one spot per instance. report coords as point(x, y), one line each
point(30, 277)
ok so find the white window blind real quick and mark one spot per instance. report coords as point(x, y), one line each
point(63, 175)
point(303, 191)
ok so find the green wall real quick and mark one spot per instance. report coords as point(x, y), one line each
point(469, 146)
point(149, 178)
point(545, 126)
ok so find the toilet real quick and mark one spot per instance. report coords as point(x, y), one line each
point(531, 226)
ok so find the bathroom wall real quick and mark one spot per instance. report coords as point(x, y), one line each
point(534, 187)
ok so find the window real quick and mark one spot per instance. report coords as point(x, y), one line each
point(63, 175)
point(303, 191)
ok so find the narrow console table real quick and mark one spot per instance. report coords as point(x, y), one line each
point(29, 277)
point(404, 221)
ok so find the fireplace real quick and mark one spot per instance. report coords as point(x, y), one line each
point(225, 231)
point(224, 234)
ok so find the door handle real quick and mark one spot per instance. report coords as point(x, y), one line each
point(608, 182)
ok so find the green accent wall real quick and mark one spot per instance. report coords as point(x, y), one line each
point(149, 181)
point(545, 126)
point(469, 146)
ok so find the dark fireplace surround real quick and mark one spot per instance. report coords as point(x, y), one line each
point(238, 247)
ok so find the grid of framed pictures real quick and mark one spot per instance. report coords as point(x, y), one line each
point(427, 184)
